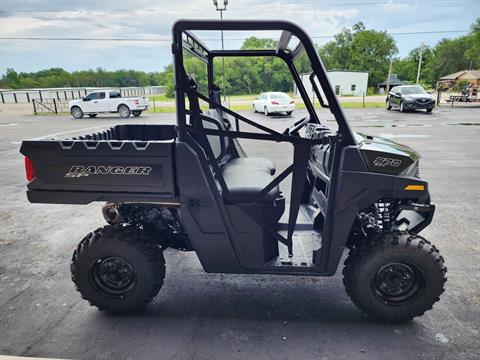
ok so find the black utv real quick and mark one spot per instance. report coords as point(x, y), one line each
point(192, 187)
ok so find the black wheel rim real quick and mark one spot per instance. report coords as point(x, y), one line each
point(397, 282)
point(113, 276)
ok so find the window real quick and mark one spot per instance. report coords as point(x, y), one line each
point(115, 94)
point(353, 87)
point(95, 96)
point(279, 96)
point(337, 89)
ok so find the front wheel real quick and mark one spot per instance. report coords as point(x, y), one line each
point(76, 112)
point(123, 111)
point(429, 110)
point(254, 109)
point(402, 107)
point(265, 111)
point(118, 268)
point(387, 105)
point(396, 277)
point(136, 113)
point(289, 113)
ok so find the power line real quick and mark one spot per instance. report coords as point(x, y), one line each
point(51, 38)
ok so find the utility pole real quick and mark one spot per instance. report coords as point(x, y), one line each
point(389, 74)
point(222, 9)
point(419, 63)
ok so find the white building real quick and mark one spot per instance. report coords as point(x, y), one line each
point(353, 83)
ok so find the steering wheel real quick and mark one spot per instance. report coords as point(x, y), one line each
point(295, 128)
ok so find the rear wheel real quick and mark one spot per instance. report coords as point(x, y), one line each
point(136, 113)
point(76, 112)
point(265, 111)
point(396, 277)
point(123, 111)
point(92, 115)
point(118, 268)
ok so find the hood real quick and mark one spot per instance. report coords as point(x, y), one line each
point(75, 102)
point(386, 156)
point(418, 96)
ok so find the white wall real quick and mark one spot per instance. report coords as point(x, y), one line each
point(343, 79)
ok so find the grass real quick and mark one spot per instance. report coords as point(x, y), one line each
point(345, 105)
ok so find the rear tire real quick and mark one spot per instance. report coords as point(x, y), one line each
point(118, 268)
point(76, 112)
point(265, 111)
point(136, 113)
point(395, 277)
point(92, 115)
point(124, 111)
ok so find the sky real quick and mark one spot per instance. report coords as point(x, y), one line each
point(146, 26)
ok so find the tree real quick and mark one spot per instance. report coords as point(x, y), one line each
point(473, 53)
point(361, 50)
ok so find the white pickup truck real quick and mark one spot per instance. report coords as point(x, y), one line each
point(107, 101)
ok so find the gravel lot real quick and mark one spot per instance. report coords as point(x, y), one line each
point(205, 316)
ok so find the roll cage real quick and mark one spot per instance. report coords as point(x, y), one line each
point(185, 40)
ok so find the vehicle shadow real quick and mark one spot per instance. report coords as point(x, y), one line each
point(299, 299)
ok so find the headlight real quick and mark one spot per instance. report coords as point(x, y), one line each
point(408, 98)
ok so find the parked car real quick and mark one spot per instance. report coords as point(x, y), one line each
point(273, 102)
point(409, 97)
point(107, 101)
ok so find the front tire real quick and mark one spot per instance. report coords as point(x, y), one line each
point(388, 106)
point(118, 268)
point(254, 109)
point(429, 110)
point(394, 278)
point(402, 107)
point(124, 111)
point(76, 112)
point(289, 113)
point(265, 111)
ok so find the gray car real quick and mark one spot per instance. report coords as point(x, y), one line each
point(409, 97)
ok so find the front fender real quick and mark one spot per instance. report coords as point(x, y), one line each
point(356, 191)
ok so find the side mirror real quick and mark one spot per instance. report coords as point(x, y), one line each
point(85, 99)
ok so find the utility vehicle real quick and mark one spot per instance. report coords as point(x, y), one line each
point(192, 187)
point(107, 101)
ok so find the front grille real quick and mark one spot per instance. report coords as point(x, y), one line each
point(422, 101)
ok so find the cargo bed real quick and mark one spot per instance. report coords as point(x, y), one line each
point(126, 163)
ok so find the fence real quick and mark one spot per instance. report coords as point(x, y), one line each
point(27, 95)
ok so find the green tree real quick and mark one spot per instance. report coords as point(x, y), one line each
point(361, 50)
point(473, 53)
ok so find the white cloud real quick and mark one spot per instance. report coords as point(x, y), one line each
point(148, 19)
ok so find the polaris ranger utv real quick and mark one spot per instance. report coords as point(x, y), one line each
point(191, 187)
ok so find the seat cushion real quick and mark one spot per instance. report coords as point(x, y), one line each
point(257, 163)
point(244, 184)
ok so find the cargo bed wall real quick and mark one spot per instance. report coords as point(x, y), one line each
point(80, 171)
